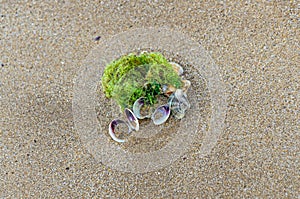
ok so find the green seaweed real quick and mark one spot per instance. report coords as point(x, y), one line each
point(134, 76)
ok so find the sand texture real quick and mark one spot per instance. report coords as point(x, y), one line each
point(256, 48)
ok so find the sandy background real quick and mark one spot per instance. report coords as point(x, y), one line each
point(256, 46)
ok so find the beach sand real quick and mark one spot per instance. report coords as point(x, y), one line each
point(255, 46)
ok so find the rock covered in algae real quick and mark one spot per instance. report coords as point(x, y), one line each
point(134, 76)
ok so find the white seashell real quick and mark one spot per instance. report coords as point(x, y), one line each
point(178, 114)
point(182, 98)
point(168, 89)
point(132, 120)
point(112, 128)
point(140, 104)
point(178, 103)
point(177, 68)
point(186, 85)
point(161, 114)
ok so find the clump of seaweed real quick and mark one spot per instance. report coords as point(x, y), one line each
point(134, 76)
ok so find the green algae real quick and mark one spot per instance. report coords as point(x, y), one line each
point(133, 76)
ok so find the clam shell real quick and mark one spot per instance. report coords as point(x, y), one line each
point(178, 103)
point(132, 120)
point(140, 104)
point(182, 98)
point(112, 128)
point(186, 85)
point(178, 113)
point(168, 89)
point(161, 114)
point(177, 68)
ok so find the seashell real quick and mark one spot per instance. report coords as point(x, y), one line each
point(186, 85)
point(178, 113)
point(168, 89)
point(161, 114)
point(132, 120)
point(177, 68)
point(174, 105)
point(182, 98)
point(179, 100)
point(112, 128)
point(178, 103)
point(141, 109)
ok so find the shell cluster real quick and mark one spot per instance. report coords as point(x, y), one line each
point(177, 105)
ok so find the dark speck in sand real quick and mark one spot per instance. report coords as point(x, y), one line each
point(97, 38)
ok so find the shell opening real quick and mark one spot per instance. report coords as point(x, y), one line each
point(161, 114)
point(114, 130)
point(132, 120)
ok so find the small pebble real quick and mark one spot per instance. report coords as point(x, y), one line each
point(97, 38)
